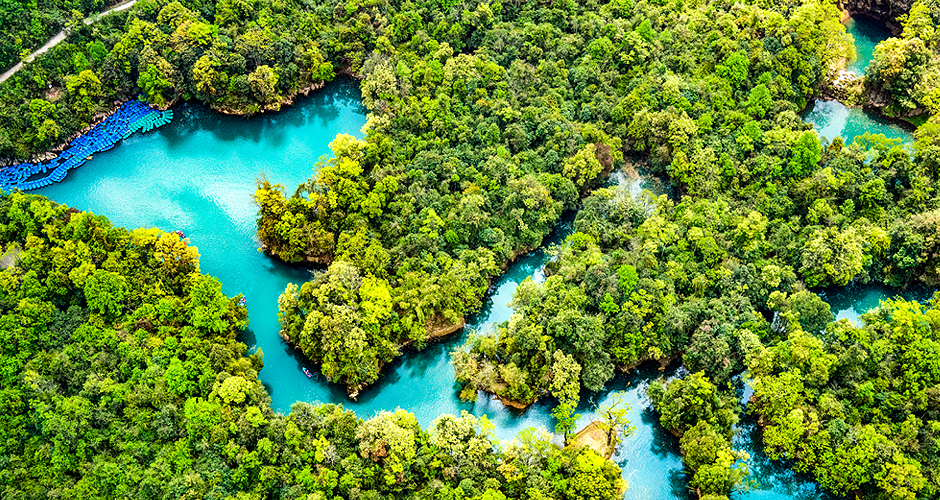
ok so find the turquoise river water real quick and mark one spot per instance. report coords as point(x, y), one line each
point(197, 175)
point(868, 33)
point(833, 119)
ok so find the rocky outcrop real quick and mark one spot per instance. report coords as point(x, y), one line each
point(883, 10)
point(594, 437)
point(847, 88)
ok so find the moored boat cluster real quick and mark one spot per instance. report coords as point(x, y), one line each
point(131, 117)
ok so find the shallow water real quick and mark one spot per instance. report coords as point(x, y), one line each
point(850, 302)
point(868, 33)
point(833, 119)
point(197, 175)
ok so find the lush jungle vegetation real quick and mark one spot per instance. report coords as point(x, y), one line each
point(906, 69)
point(487, 121)
point(27, 25)
point(715, 281)
point(476, 145)
point(240, 57)
point(121, 376)
point(702, 417)
point(856, 406)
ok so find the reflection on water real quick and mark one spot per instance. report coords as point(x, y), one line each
point(868, 33)
point(833, 119)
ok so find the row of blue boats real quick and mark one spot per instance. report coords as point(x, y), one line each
point(131, 117)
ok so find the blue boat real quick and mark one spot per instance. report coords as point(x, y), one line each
point(307, 372)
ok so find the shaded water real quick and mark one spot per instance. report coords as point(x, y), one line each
point(868, 33)
point(833, 119)
point(850, 302)
point(197, 175)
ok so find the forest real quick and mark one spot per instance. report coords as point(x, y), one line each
point(470, 158)
point(487, 122)
point(122, 376)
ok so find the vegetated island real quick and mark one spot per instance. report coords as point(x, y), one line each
point(765, 212)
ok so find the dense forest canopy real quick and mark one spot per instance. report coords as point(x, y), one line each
point(28, 24)
point(476, 146)
point(487, 121)
point(121, 376)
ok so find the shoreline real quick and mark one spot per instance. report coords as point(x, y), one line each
point(624, 369)
point(867, 107)
point(54, 152)
point(846, 77)
point(98, 118)
point(436, 334)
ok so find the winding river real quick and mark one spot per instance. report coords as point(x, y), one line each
point(197, 175)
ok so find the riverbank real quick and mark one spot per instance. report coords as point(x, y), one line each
point(288, 100)
point(129, 118)
point(849, 85)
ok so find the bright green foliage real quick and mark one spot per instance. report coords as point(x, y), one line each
point(684, 402)
point(487, 121)
point(853, 407)
point(805, 306)
point(693, 409)
point(716, 468)
point(566, 419)
point(128, 382)
point(105, 292)
point(28, 25)
point(583, 167)
point(614, 420)
point(354, 324)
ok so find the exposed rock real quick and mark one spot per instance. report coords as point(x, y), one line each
point(847, 88)
point(512, 404)
point(878, 98)
point(883, 10)
point(593, 437)
point(10, 256)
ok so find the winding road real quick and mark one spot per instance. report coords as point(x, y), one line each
point(61, 36)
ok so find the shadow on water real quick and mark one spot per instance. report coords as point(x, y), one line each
point(317, 110)
point(247, 337)
point(867, 32)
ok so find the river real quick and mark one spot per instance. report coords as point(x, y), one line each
point(197, 175)
point(868, 33)
point(833, 119)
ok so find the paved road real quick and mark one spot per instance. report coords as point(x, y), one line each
point(61, 36)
